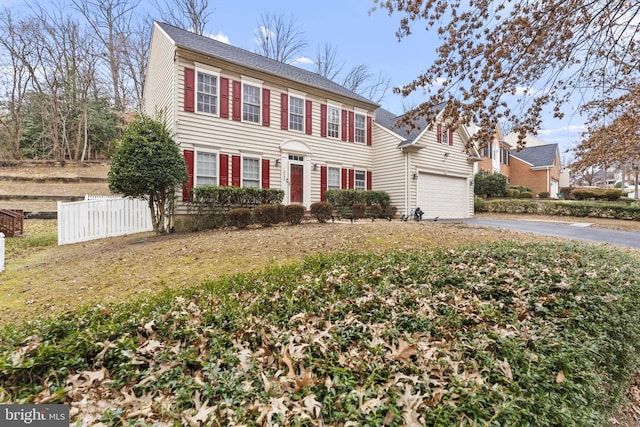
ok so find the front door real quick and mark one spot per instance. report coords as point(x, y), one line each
point(296, 184)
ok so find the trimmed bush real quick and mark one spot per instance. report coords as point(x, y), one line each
point(321, 211)
point(240, 217)
point(267, 215)
point(479, 204)
point(390, 212)
point(526, 195)
point(374, 210)
point(521, 188)
point(561, 208)
point(293, 214)
point(359, 210)
point(544, 195)
point(612, 194)
point(346, 198)
point(490, 184)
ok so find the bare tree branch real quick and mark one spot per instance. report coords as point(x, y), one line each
point(279, 37)
point(191, 15)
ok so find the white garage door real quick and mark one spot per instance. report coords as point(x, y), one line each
point(443, 196)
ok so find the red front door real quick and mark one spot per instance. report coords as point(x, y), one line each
point(296, 184)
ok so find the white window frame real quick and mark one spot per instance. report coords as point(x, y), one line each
point(256, 84)
point(244, 170)
point(363, 129)
point(359, 184)
point(338, 110)
point(338, 172)
point(444, 135)
point(216, 173)
point(211, 72)
point(301, 115)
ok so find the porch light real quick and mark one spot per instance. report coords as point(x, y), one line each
point(415, 175)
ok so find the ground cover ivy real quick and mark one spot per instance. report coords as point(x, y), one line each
point(496, 334)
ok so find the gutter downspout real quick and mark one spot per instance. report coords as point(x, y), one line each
point(406, 182)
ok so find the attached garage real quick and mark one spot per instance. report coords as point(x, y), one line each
point(443, 196)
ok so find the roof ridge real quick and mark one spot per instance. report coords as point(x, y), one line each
point(241, 56)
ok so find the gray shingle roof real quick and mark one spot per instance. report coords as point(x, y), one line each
point(540, 156)
point(236, 55)
point(389, 121)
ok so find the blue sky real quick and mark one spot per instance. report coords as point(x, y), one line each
point(359, 37)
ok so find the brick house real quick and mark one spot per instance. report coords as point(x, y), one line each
point(537, 168)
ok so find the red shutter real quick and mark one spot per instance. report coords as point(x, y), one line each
point(308, 117)
point(345, 179)
point(236, 110)
point(266, 108)
point(351, 127)
point(323, 120)
point(224, 97)
point(235, 171)
point(439, 133)
point(186, 190)
point(369, 180)
point(450, 136)
point(344, 125)
point(284, 111)
point(369, 129)
point(323, 183)
point(352, 178)
point(224, 169)
point(265, 173)
point(189, 89)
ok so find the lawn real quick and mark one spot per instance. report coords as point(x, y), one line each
point(336, 324)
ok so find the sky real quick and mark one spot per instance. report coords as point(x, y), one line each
point(360, 37)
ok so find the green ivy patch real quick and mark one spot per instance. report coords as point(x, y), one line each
point(495, 334)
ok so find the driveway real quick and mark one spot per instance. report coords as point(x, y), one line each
point(577, 231)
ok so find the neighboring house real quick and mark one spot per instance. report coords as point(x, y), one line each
point(245, 120)
point(536, 167)
point(494, 154)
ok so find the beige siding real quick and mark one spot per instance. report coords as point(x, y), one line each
point(237, 138)
point(440, 159)
point(159, 90)
point(390, 168)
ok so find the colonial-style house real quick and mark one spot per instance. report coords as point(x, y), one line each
point(245, 120)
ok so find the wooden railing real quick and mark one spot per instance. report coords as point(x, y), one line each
point(11, 222)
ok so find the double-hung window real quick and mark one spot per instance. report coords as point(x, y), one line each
point(360, 128)
point(360, 180)
point(444, 135)
point(207, 90)
point(206, 168)
point(333, 179)
point(250, 172)
point(250, 103)
point(333, 122)
point(296, 114)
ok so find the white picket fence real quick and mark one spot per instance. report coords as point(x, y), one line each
point(98, 217)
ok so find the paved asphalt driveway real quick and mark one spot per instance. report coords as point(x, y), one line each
point(568, 230)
